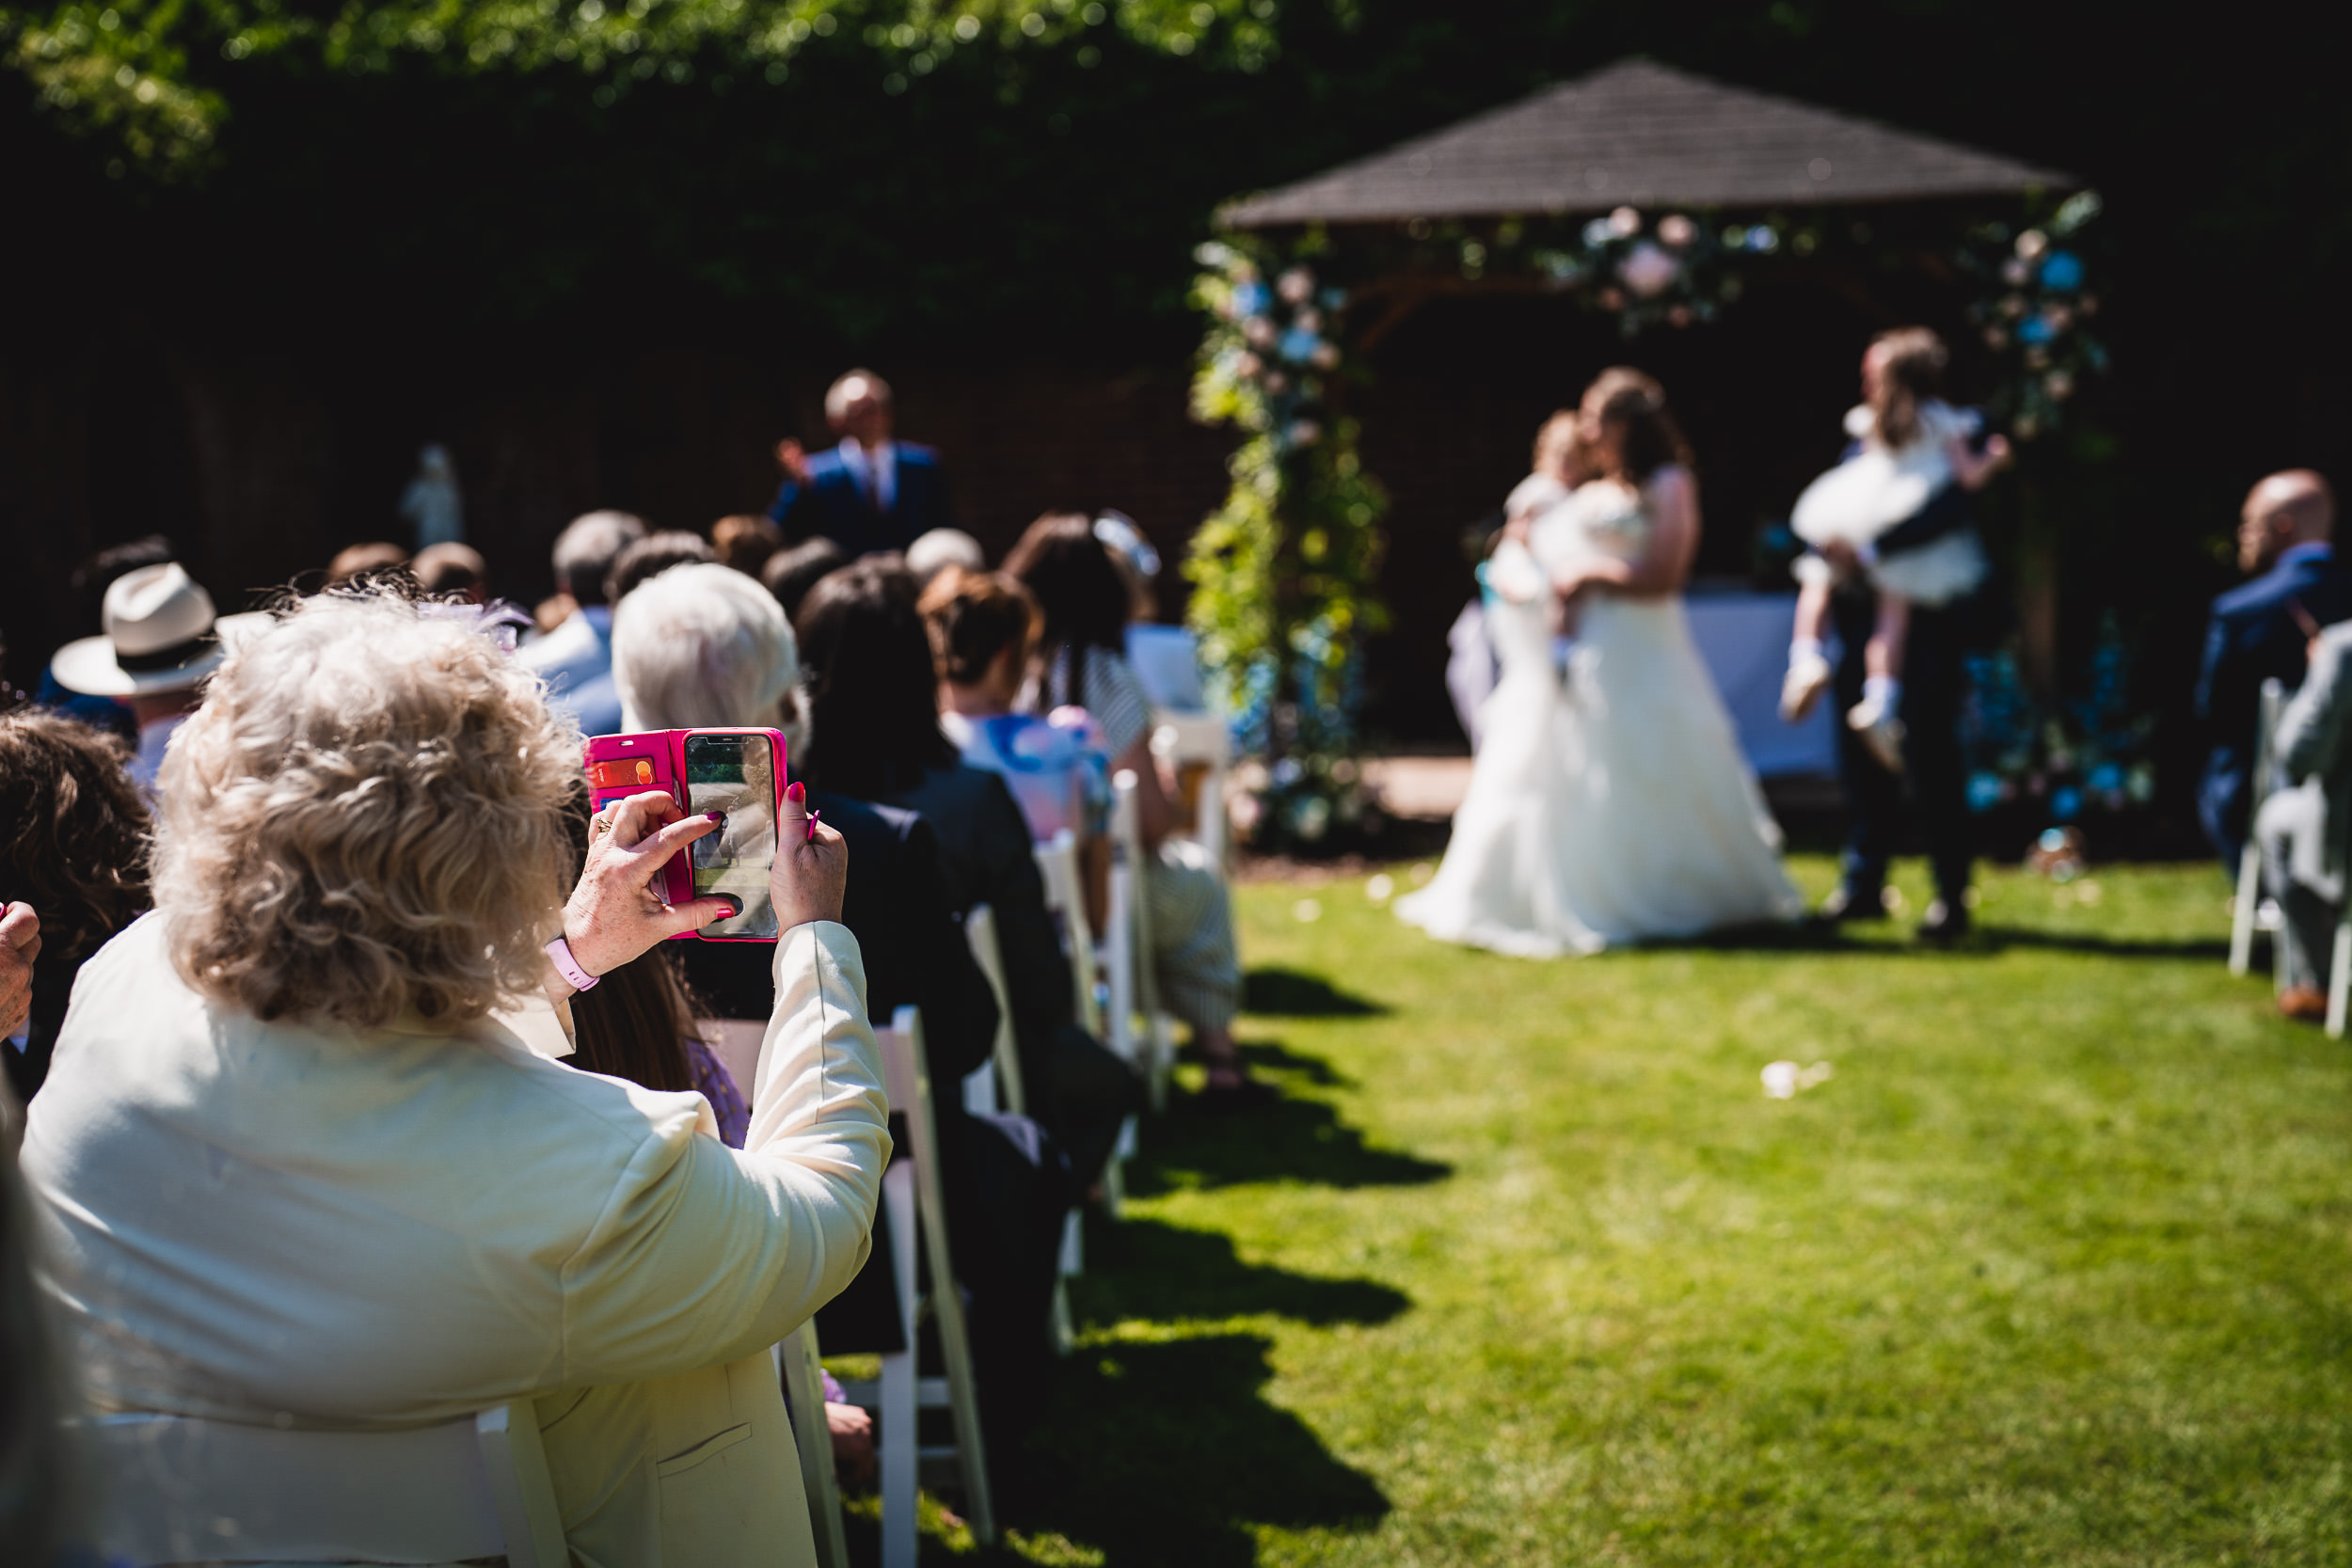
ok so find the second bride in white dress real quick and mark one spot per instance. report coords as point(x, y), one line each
point(1609, 804)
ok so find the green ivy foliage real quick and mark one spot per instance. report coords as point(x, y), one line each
point(1284, 573)
point(160, 76)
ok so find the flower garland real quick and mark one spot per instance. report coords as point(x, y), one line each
point(1283, 572)
point(1677, 272)
point(2034, 314)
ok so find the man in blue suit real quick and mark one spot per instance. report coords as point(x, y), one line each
point(870, 492)
point(2261, 631)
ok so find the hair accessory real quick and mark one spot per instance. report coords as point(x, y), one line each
point(560, 954)
point(1119, 531)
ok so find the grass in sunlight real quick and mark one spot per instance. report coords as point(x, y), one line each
point(2053, 1266)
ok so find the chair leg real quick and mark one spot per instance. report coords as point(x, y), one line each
point(963, 1405)
point(899, 1461)
point(2339, 978)
point(804, 1390)
point(2249, 896)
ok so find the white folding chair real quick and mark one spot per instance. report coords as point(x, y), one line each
point(997, 1081)
point(1065, 897)
point(803, 1377)
point(911, 1189)
point(1134, 984)
point(1202, 741)
point(2340, 963)
point(2246, 909)
point(184, 1489)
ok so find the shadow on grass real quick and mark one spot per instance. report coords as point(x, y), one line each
point(1281, 1139)
point(1168, 1452)
point(1138, 1268)
point(1891, 940)
point(1997, 937)
point(1289, 993)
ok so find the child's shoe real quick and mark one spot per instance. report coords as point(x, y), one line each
point(1808, 676)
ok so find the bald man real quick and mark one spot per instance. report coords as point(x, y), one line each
point(2261, 631)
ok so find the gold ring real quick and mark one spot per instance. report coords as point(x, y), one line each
point(599, 824)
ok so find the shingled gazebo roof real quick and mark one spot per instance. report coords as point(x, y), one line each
point(1646, 135)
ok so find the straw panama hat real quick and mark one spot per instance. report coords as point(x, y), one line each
point(160, 636)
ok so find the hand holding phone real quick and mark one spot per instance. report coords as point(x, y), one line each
point(617, 910)
point(812, 870)
point(732, 778)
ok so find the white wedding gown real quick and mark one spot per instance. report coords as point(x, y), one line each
point(1613, 806)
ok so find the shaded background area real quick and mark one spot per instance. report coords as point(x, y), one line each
point(625, 306)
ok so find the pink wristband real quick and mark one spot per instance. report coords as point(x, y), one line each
point(560, 954)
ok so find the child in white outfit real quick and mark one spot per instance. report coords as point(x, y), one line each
point(1914, 446)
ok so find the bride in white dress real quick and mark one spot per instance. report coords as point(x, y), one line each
point(1611, 805)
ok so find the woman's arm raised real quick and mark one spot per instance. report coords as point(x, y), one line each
point(704, 1254)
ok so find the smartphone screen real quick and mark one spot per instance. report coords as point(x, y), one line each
point(735, 775)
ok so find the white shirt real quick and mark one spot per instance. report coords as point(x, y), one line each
point(875, 473)
point(154, 736)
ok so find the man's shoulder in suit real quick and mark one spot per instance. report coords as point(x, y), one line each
point(2289, 578)
point(913, 454)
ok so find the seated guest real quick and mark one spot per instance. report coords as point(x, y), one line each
point(745, 542)
point(294, 1163)
point(702, 646)
point(790, 574)
point(983, 631)
point(875, 733)
point(452, 570)
point(90, 581)
point(77, 852)
point(576, 658)
point(2301, 839)
point(873, 492)
point(1086, 601)
point(651, 556)
point(2258, 632)
point(354, 562)
point(161, 642)
point(940, 549)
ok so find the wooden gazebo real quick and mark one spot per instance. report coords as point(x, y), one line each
point(1646, 134)
point(1825, 226)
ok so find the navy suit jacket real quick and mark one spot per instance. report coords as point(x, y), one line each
point(2254, 636)
point(831, 504)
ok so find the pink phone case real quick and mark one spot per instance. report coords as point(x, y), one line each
point(619, 766)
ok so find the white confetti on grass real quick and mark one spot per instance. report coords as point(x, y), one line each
point(1786, 1080)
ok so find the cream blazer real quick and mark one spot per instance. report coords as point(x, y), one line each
point(271, 1222)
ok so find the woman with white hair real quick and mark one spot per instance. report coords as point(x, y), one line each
point(297, 1162)
point(704, 646)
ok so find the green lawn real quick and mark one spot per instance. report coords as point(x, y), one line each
point(1526, 1269)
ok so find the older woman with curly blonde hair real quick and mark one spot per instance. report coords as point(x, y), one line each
point(297, 1163)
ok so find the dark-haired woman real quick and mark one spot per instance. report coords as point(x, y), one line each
point(1086, 602)
point(75, 850)
point(1617, 808)
point(875, 733)
point(874, 738)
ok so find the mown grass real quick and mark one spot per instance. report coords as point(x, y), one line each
point(1525, 1267)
